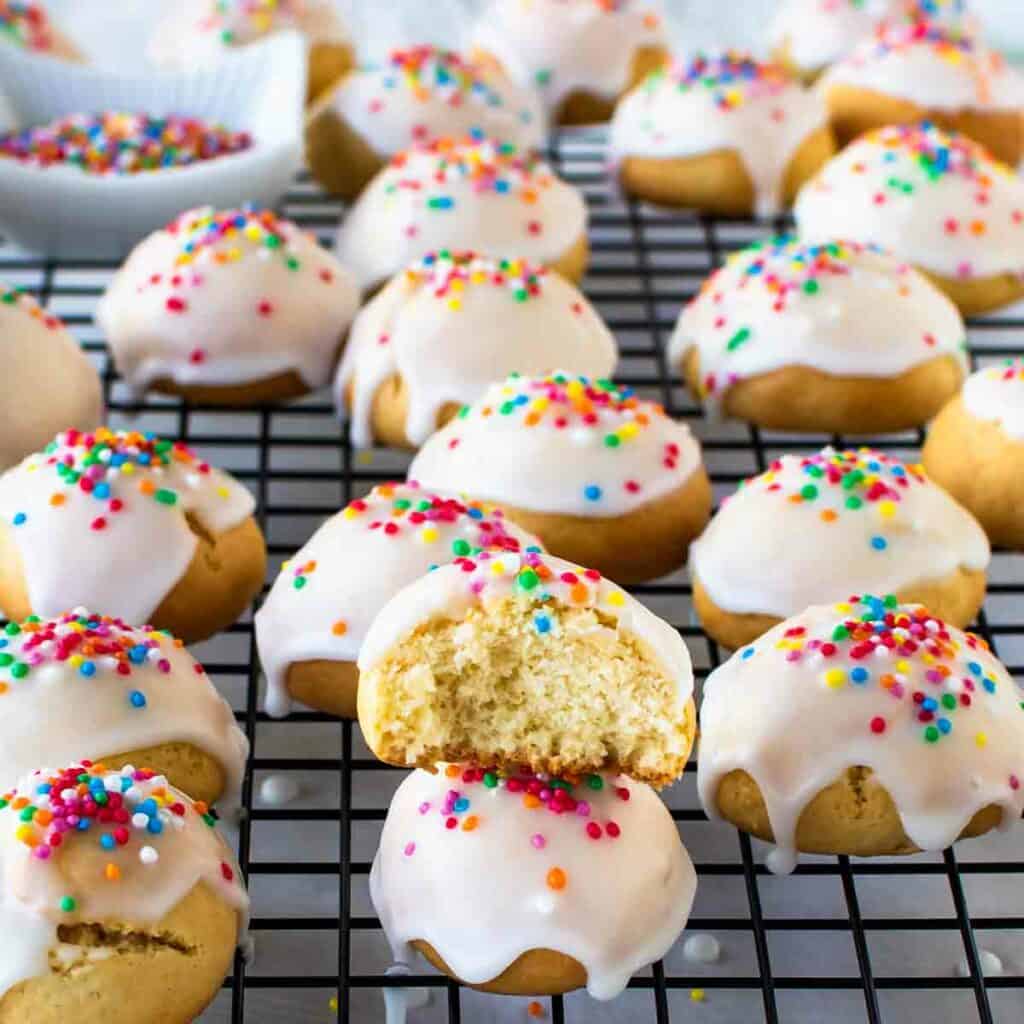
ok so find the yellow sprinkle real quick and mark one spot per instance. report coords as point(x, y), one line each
point(26, 834)
point(697, 995)
point(75, 660)
point(981, 739)
point(455, 305)
point(887, 509)
point(364, 458)
point(842, 607)
point(333, 1004)
point(223, 492)
point(428, 534)
point(128, 468)
point(615, 598)
point(835, 678)
point(350, 513)
point(902, 666)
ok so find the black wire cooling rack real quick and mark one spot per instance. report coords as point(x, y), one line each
point(840, 940)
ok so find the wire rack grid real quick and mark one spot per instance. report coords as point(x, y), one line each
point(840, 940)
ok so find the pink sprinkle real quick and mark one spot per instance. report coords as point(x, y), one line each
point(538, 841)
point(410, 849)
point(424, 807)
point(1014, 782)
point(583, 809)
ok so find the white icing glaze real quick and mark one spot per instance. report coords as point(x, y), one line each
point(538, 580)
point(122, 883)
point(479, 195)
point(486, 891)
point(565, 46)
point(934, 67)
point(456, 322)
point(197, 34)
point(66, 695)
point(818, 32)
point(841, 308)
point(724, 101)
point(228, 297)
point(882, 526)
point(322, 603)
point(99, 520)
point(424, 93)
point(49, 382)
point(996, 394)
point(933, 198)
point(560, 444)
point(804, 703)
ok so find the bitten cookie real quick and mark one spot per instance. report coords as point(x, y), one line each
point(866, 728)
point(476, 194)
point(233, 306)
point(934, 199)
point(917, 70)
point(198, 34)
point(315, 618)
point(594, 883)
point(449, 326)
point(137, 526)
point(84, 685)
point(809, 35)
point(49, 382)
point(815, 526)
point(413, 96)
point(28, 26)
point(581, 54)
point(603, 478)
point(120, 902)
point(833, 338)
point(975, 449)
point(722, 134)
point(516, 660)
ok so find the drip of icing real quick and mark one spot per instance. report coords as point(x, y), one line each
point(198, 34)
point(996, 394)
point(539, 580)
point(926, 707)
point(325, 598)
point(425, 92)
point(89, 685)
point(228, 297)
point(815, 33)
point(990, 964)
point(597, 872)
point(884, 526)
point(931, 65)
point(146, 845)
point(843, 308)
point(724, 101)
point(934, 198)
point(564, 46)
point(453, 323)
point(702, 948)
point(560, 444)
point(100, 520)
point(49, 382)
point(478, 193)
point(279, 789)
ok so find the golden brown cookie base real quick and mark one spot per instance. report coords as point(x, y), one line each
point(390, 410)
point(983, 468)
point(537, 972)
point(225, 574)
point(955, 599)
point(165, 973)
point(338, 156)
point(282, 387)
point(976, 295)
point(854, 111)
point(186, 767)
point(329, 686)
point(853, 816)
point(649, 542)
point(803, 399)
point(782, 55)
point(582, 108)
point(718, 182)
point(328, 63)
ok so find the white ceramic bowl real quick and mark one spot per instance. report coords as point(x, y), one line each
point(66, 213)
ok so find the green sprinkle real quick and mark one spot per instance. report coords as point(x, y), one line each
point(461, 547)
point(67, 905)
point(840, 633)
point(612, 441)
point(299, 582)
point(528, 579)
point(19, 670)
point(595, 782)
point(853, 502)
point(808, 492)
point(166, 497)
point(490, 780)
point(931, 734)
point(948, 701)
point(741, 336)
point(811, 287)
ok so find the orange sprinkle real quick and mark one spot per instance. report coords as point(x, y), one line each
point(829, 515)
point(340, 628)
point(531, 419)
point(112, 872)
point(451, 771)
point(470, 823)
point(201, 807)
point(57, 499)
point(534, 1009)
point(147, 486)
point(579, 592)
point(556, 879)
point(978, 227)
point(531, 802)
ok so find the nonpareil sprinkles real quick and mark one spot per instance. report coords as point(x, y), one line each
point(116, 142)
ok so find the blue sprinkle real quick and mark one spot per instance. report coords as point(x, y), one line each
point(107, 841)
point(43, 788)
point(879, 543)
point(462, 804)
point(137, 654)
point(475, 513)
point(860, 675)
point(974, 668)
point(989, 684)
point(83, 824)
point(156, 826)
point(147, 807)
point(137, 698)
point(945, 725)
point(592, 492)
point(19, 518)
point(88, 669)
point(542, 623)
point(101, 491)
point(930, 704)
point(748, 653)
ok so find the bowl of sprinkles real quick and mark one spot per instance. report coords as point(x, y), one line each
point(98, 160)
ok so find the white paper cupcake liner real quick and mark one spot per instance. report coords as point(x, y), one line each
point(66, 213)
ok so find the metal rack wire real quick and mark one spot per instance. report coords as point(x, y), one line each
point(321, 939)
